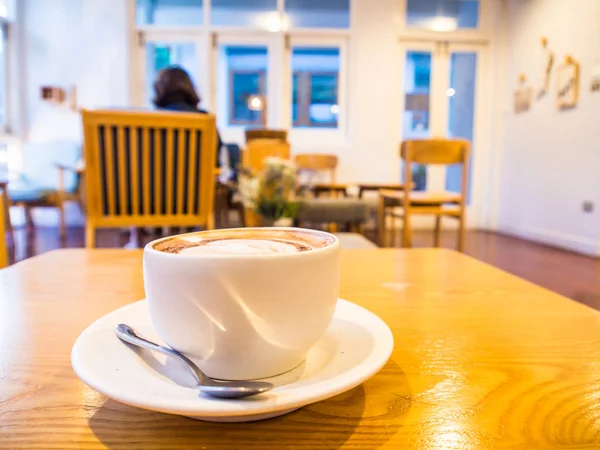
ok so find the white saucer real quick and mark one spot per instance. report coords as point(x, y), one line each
point(355, 347)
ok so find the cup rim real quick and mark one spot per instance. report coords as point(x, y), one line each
point(149, 247)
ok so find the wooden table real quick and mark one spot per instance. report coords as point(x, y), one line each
point(483, 360)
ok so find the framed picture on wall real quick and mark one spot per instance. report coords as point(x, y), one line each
point(567, 94)
point(595, 85)
point(547, 61)
point(523, 96)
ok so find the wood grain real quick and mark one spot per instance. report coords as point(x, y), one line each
point(483, 360)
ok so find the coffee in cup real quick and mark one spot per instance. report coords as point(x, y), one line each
point(247, 242)
point(243, 303)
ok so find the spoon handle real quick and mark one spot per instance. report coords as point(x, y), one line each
point(126, 333)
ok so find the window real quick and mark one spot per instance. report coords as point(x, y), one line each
point(247, 13)
point(169, 12)
point(417, 87)
point(318, 13)
point(315, 87)
point(236, 66)
point(242, 86)
point(247, 69)
point(442, 15)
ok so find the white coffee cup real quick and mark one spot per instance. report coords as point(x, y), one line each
point(243, 316)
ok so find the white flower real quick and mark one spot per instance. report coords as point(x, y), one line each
point(248, 189)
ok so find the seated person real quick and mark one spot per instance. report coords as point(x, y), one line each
point(174, 91)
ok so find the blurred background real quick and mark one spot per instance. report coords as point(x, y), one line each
point(518, 79)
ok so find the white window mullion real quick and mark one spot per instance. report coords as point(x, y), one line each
point(275, 81)
point(287, 85)
point(207, 5)
point(440, 82)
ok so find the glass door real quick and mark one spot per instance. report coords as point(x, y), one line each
point(441, 100)
point(417, 88)
point(158, 50)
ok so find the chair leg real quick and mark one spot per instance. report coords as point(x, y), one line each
point(210, 222)
point(90, 236)
point(28, 217)
point(461, 234)
point(360, 228)
point(6, 212)
point(381, 222)
point(406, 232)
point(438, 231)
point(62, 219)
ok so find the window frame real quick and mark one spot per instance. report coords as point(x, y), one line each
point(304, 120)
point(262, 91)
point(327, 41)
point(480, 35)
point(278, 76)
point(6, 124)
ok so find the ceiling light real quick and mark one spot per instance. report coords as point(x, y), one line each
point(442, 23)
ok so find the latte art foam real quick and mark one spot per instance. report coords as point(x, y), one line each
point(245, 247)
point(244, 242)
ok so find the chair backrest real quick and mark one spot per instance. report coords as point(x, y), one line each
point(262, 133)
point(3, 251)
point(315, 163)
point(259, 149)
point(149, 168)
point(435, 151)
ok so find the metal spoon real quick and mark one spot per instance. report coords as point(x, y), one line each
point(221, 389)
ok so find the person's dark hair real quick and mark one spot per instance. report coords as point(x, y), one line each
point(173, 84)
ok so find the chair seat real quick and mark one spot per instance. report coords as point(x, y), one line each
point(340, 210)
point(440, 210)
point(25, 192)
point(420, 198)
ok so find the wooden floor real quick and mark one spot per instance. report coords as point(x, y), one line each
point(570, 274)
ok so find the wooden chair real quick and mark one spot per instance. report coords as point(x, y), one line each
point(261, 133)
point(37, 185)
point(439, 204)
point(66, 194)
point(314, 164)
point(3, 249)
point(334, 208)
point(148, 169)
point(258, 149)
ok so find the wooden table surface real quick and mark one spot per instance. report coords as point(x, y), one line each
point(483, 360)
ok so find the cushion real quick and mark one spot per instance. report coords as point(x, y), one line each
point(21, 193)
point(342, 210)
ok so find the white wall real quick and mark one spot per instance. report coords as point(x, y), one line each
point(551, 158)
point(374, 106)
point(72, 43)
